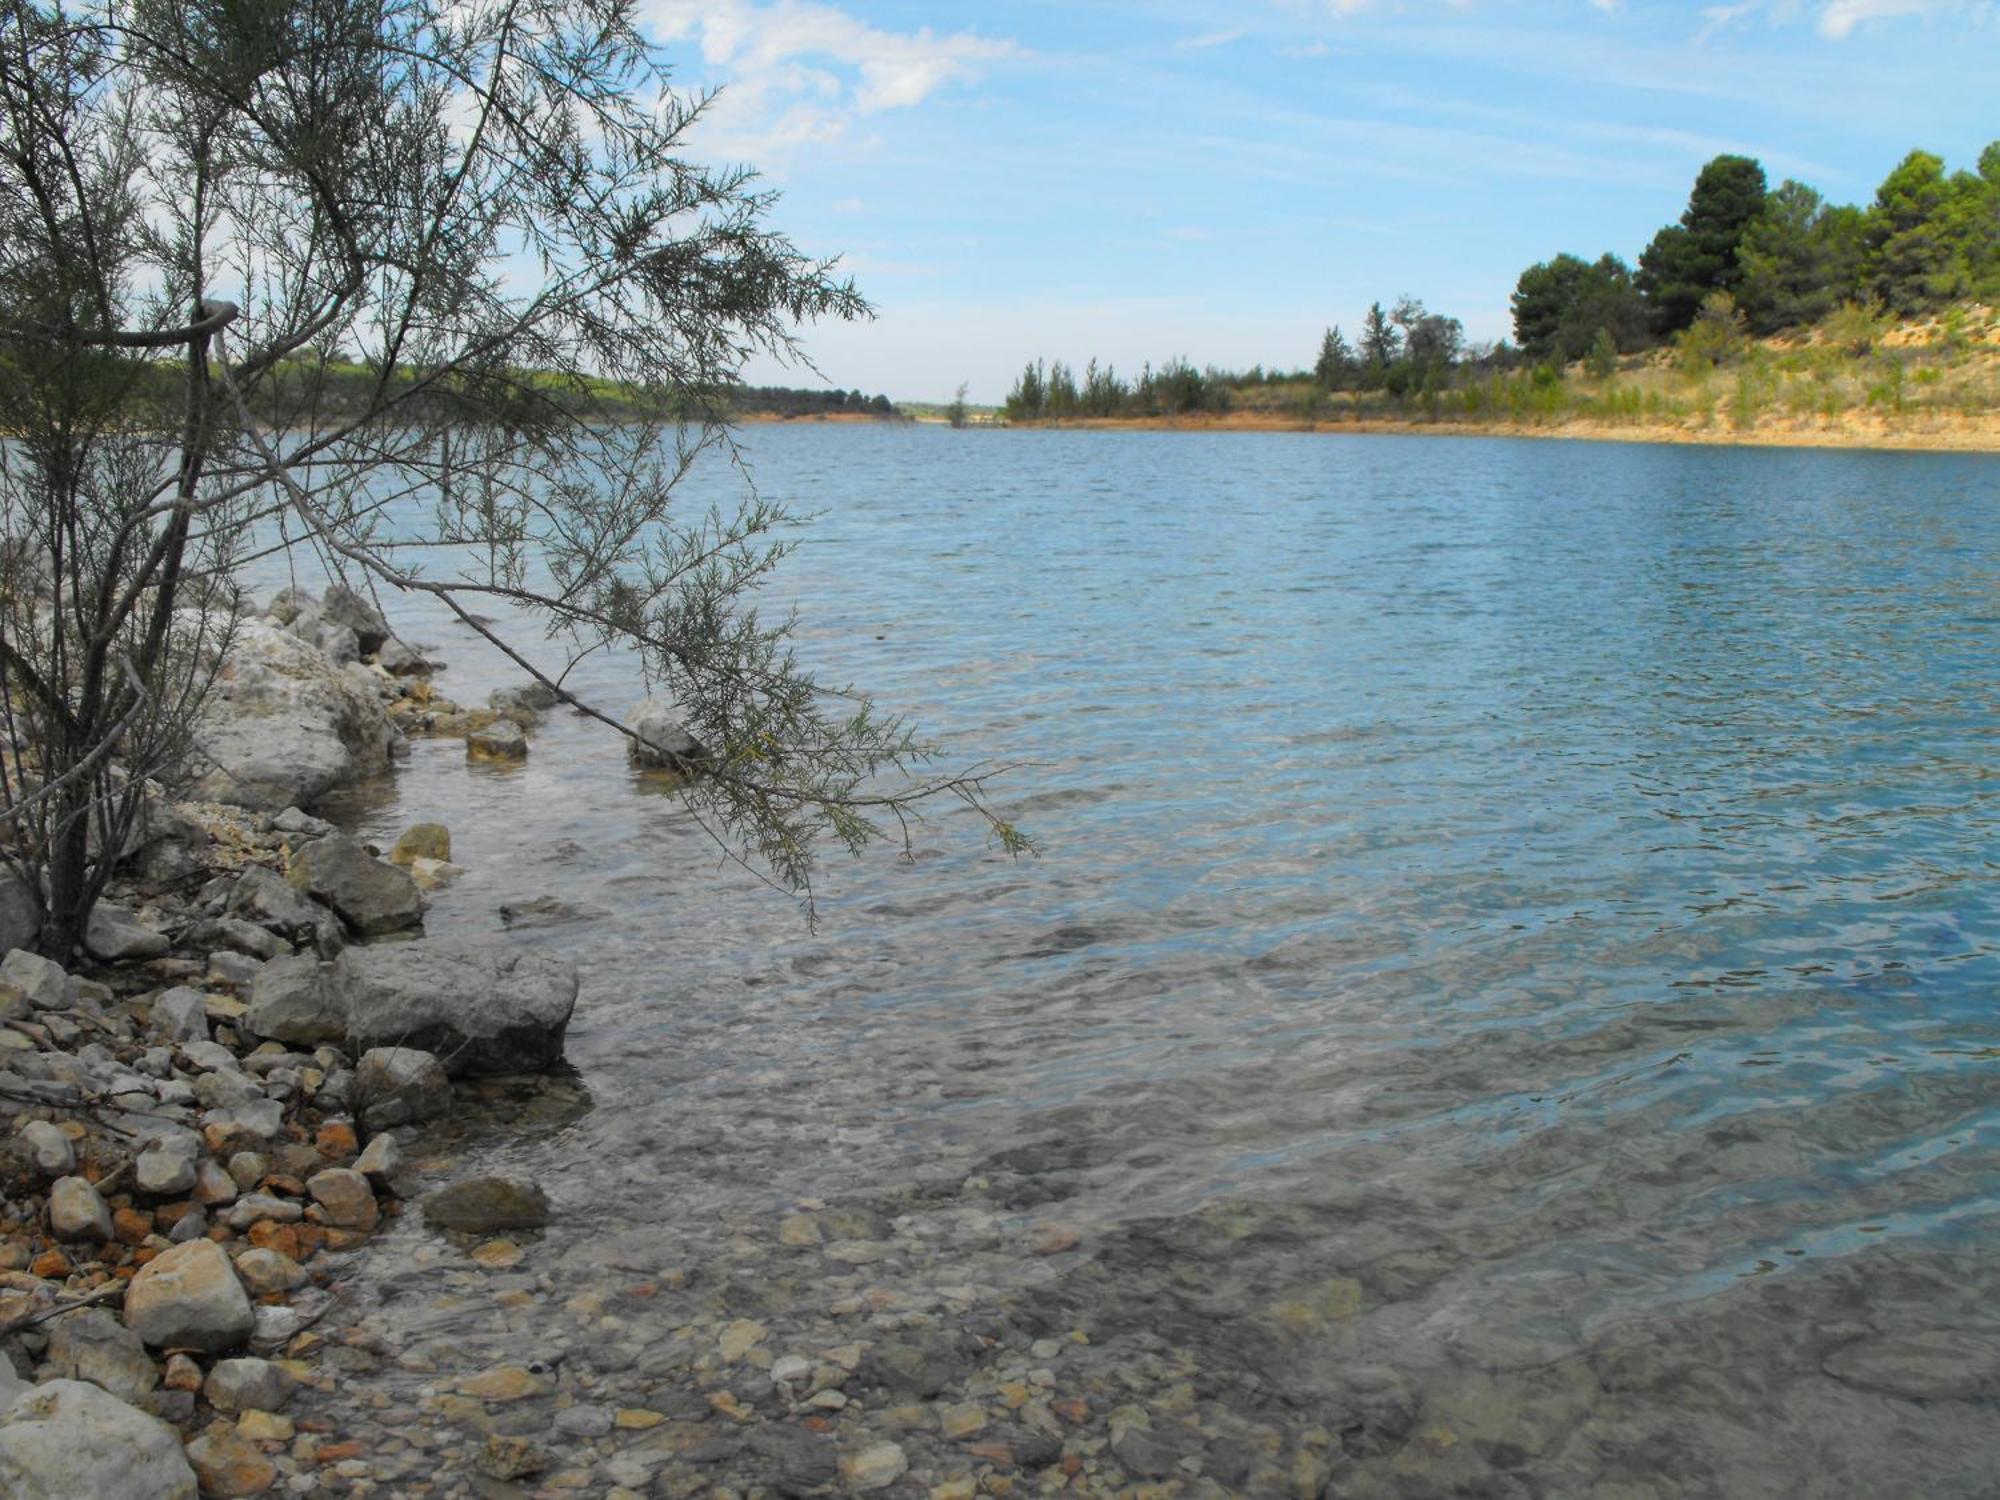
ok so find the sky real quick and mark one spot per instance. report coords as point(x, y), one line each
point(1140, 181)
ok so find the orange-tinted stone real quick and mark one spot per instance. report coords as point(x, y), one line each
point(49, 1265)
point(336, 1138)
point(130, 1226)
point(228, 1465)
point(269, 1234)
point(333, 1453)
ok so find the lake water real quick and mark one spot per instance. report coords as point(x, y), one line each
point(1505, 1005)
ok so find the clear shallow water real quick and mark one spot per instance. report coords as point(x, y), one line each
point(1506, 999)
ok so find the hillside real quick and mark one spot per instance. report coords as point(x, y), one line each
point(1853, 380)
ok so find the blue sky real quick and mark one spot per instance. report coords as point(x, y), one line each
point(1220, 181)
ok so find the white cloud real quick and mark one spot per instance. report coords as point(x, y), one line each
point(1836, 18)
point(1207, 40)
point(1716, 18)
point(795, 72)
point(1839, 17)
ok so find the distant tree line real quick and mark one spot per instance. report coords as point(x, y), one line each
point(1403, 349)
point(784, 401)
point(1054, 392)
point(1776, 258)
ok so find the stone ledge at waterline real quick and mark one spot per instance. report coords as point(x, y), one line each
point(480, 1010)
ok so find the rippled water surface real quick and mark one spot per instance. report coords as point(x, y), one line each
point(1506, 1001)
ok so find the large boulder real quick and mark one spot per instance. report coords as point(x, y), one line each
point(481, 1010)
point(662, 742)
point(68, 1439)
point(369, 895)
point(284, 725)
point(291, 1001)
point(189, 1298)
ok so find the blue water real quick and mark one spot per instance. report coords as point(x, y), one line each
point(1550, 887)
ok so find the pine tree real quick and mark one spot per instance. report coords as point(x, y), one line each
point(1381, 342)
point(1334, 370)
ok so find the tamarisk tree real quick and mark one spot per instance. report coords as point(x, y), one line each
point(430, 288)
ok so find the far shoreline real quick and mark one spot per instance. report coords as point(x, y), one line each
point(1974, 436)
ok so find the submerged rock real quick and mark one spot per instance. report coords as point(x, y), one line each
point(248, 1385)
point(795, 1461)
point(503, 739)
point(482, 1205)
point(542, 911)
point(422, 841)
point(399, 1086)
point(875, 1467)
point(479, 1010)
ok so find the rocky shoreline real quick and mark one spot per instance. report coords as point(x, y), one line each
point(206, 1111)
